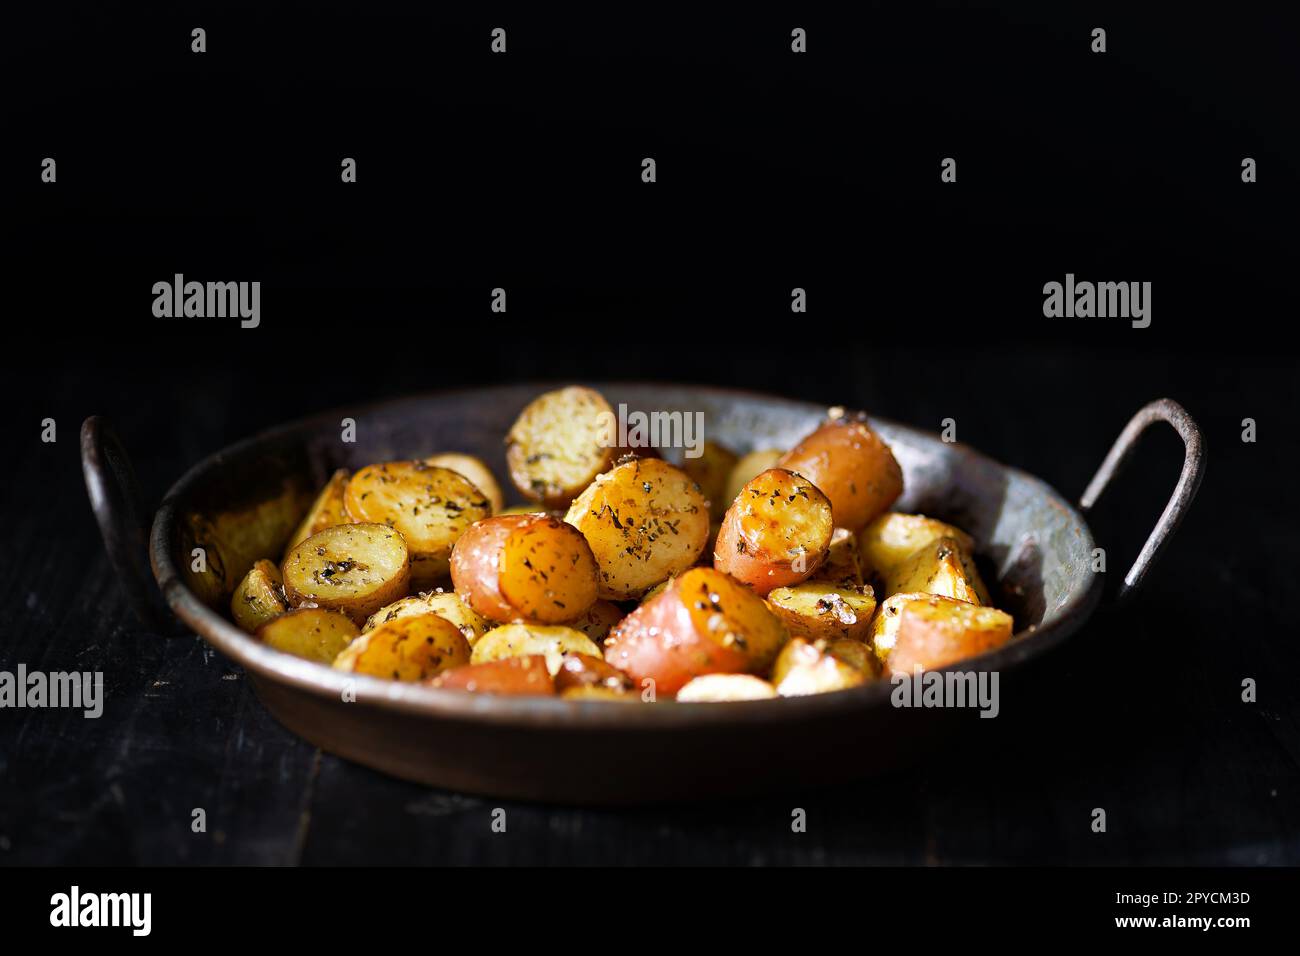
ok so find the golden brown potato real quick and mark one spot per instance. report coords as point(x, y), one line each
point(259, 597)
point(842, 567)
point(719, 688)
point(476, 471)
point(890, 539)
point(326, 511)
point(445, 604)
point(582, 670)
point(935, 632)
point(560, 443)
point(938, 568)
point(310, 632)
point(711, 471)
point(803, 668)
point(352, 568)
point(511, 676)
point(853, 467)
point(516, 640)
point(411, 648)
point(645, 521)
point(817, 610)
point(748, 468)
point(429, 505)
point(776, 533)
point(598, 620)
point(856, 654)
point(884, 626)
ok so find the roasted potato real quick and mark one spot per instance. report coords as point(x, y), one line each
point(704, 622)
point(476, 471)
point(259, 597)
point(938, 568)
point(559, 443)
point(352, 568)
point(718, 688)
point(803, 668)
point(310, 632)
point(854, 653)
point(749, 467)
point(891, 538)
point(711, 471)
point(525, 568)
point(884, 626)
point(842, 566)
point(776, 533)
point(326, 511)
point(410, 648)
point(583, 670)
point(445, 604)
point(852, 466)
point(598, 620)
point(645, 521)
point(935, 632)
point(431, 506)
point(521, 640)
point(511, 676)
point(817, 610)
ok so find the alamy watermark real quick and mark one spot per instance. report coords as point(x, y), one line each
point(638, 429)
point(1101, 300)
point(947, 689)
point(77, 690)
point(179, 299)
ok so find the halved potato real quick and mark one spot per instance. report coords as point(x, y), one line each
point(776, 533)
point(935, 632)
point(711, 471)
point(850, 463)
point(645, 521)
point(938, 568)
point(583, 670)
point(352, 568)
point(817, 610)
point(445, 604)
point(476, 471)
point(522, 676)
point(326, 511)
point(407, 649)
point(559, 443)
point(804, 668)
point(890, 539)
point(431, 506)
point(599, 620)
point(748, 468)
point(518, 640)
point(842, 566)
point(310, 632)
point(258, 598)
point(719, 688)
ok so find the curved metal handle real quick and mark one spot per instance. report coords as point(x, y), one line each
point(1161, 410)
point(119, 508)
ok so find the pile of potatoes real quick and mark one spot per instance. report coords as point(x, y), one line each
point(627, 578)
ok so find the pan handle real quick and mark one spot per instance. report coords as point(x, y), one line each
point(118, 504)
point(1161, 410)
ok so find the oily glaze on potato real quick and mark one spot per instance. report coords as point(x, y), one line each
point(884, 626)
point(325, 512)
point(258, 598)
point(704, 622)
point(310, 632)
point(445, 604)
point(891, 538)
point(749, 467)
point(519, 640)
point(525, 676)
point(720, 688)
point(711, 471)
point(645, 521)
point(525, 568)
point(429, 505)
point(805, 668)
point(583, 670)
point(776, 533)
point(476, 471)
point(934, 632)
point(855, 469)
point(560, 443)
point(817, 610)
point(352, 568)
point(940, 567)
point(411, 648)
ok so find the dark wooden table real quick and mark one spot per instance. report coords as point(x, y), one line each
point(1141, 714)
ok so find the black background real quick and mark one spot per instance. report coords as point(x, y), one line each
point(774, 171)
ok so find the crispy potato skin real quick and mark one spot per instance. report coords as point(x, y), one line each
point(259, 597)
point(476, 471)
point(559, 444)
point(817, 611)
point(776, 533)
point(720, 688)
point(429, 505)
point(555, 643)
point(531, 568)
point(704, 622)
point(412, 648)
point(445, 604)
point(711, 471)
point(749, 467)
point(803, 668)
point(935, 633)
point(852, 466)
point(583, 670)
point(326, 511)
point(310, 632)
point(645, 521)
point(524, 676)
point(352, 568)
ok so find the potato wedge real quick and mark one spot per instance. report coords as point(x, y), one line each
point(890, 539)
point(776, 533)
point(408, 649)
point(938, 568)
point(525, 676)
point(850, 463)
point(476, 471)
point(934, 632)
point(429, 505)
point(352, 568)
point(599, 620)
point(804, 668)
point(711, 471)
point(817, 610)
point(521, 640)
point(559, 443)
point(842, 566)
point(748, 468)
point(645, 521)
point(325, 512)
point(583, 670)
point(704, 622)
point(884, 626)
point(856, 654)
point(528, 568)
point(719, 688)
point(259, 597)
point(445, 604)
point(310, 632)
